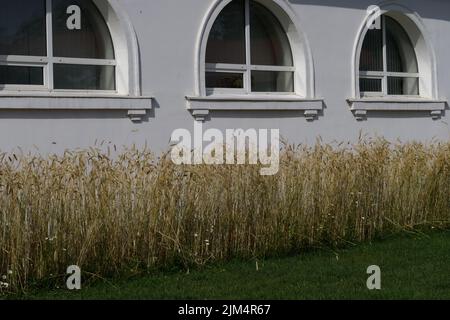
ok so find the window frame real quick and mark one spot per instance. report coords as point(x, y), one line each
point(247, 68)
point(385, 74)
point(47, 62)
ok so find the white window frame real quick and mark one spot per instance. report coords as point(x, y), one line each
point(247, 68)
point(385, 74)
point(47, 63)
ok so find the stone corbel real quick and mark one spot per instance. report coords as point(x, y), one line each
point(137, 115)
point(200, 115)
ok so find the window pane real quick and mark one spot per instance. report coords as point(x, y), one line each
point(82, 77)
point(372, 51)
point(403, 86)
point(272, 81)
point(269, 42)
point(224, 80)
point(92, 40)
point(19, 75)
point(226, 43)
point(22, 28)
point(401, 55)
point(370, 85)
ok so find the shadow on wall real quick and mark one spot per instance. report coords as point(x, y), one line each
point(400, 115)
point(70, 114)
point(404, 114)
point(426, 10)
point(267, 114)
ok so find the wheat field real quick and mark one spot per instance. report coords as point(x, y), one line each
point(118, 215)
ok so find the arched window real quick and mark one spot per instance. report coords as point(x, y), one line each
point(55, 45)
point(248, 51)
point(388, 64)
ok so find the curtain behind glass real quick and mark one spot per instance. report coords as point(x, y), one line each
point(372, 51)
point(92, 41)
point(370, 85)
point(401, 56)
point(272, 81)
point(23, 28)
point(84, 77)
point(21, 75)
point(269, 42)
point(403, 86)
point(226, 42)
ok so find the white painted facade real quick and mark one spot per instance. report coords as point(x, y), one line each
point(160, 64)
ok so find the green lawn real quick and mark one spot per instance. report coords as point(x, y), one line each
point(413, 267)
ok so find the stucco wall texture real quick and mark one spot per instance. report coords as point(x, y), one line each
point(168, 32)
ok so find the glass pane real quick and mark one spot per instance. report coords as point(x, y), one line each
point(401, 56)
point(19, 75)
point(372, 51)
point(22, 28)
point(403, 86)
point(269, 42)
point(272, 81)
point(224, 80)
point(370, 85)
point(91, 40)
point(82, 77)
point(226, 43)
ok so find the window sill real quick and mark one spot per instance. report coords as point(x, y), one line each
point(201, 107)
point(360, 107)
point(137, 107)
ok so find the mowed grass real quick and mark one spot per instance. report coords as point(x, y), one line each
point(413, 267)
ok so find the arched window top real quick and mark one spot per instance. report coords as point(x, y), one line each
point(388, 63)
point(400, 53)
point(269, 44)
point(394, 55)
point(248, 51)
point(76, 45)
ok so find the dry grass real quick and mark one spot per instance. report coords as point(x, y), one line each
point(136, 212)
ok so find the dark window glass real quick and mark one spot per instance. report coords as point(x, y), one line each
point(20, 75)
point(92, 41)
point(269, 43)
point(224, 80)
point(84, 77)
point(403, 86)
point(226, 43)
point(372, 51)
point(23, 28)
point(370, 85)
point(400, 58)
point(272, 81)
point(400, 52)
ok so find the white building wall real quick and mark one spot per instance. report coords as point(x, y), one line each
point(168, 34)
